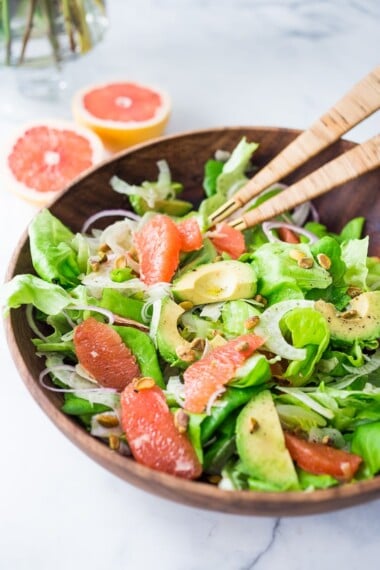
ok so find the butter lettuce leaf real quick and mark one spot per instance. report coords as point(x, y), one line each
point(308, 329)
point(275, 268)
point(354, 255)
point(233, 175)
point(366, 443)
point(28, 289)
point(54, 250)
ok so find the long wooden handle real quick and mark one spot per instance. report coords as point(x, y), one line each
point(360, 102)
point(360, 159)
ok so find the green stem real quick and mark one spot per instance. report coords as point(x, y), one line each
point(68, 24)
point(28, 30)
point(78, 17)
point(7, 30)
point(49, 13)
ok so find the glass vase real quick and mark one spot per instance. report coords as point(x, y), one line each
point(38, 36)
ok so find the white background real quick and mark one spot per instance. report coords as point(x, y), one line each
point(224, 63)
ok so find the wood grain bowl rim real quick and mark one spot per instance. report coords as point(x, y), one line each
point(191, 493)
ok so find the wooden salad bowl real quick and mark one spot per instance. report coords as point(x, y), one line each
point(186, 154)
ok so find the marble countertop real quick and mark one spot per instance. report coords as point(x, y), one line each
point(241, 62)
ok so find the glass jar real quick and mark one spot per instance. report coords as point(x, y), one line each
point(38, 36)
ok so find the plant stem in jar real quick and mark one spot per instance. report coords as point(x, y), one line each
point(78, 17)
point(28, 29)
point(7, 30)
point(49, 13)
point(68, 24)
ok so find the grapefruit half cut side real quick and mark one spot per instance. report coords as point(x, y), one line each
point(122, 113)
point(44, 157)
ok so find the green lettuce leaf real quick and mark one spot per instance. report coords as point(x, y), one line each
point(373, 276)
point(354, 255)
point(275, 268)
point(213, 169)
point(366, 443)
point(310, 482)
point(308, 329)
point(27, 289)
point(352, 230)
point(235, 315)
point(233, 175)
point(54, 250)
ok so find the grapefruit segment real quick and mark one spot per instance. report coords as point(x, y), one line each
point(102, 353)
point(122, 113)
point(191, 237)
point(206, 378)
point(43, 158)
point(229, 240)
point(151, 433)
point(158, 245)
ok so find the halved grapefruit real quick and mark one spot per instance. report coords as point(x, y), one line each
point(122, 113)
point(42, 158)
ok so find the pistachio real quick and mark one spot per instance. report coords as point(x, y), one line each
point(242, 346)
point(261, 299)
point(306, 262)
point(181, 420)
point(94, 264)
point(120, 262)
point(296, 254)
point(251, 322)
point(102, 256)
point(324, 261)
point(353, 291)
point(186, 305)
point(214, 479)
point(185, 354)
point(144, 383)
point(107, 420)
point(114, 442)
point(351, 314)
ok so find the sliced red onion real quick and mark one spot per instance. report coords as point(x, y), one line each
point(314, 212)
point(108, 213)
point(72, 369)
point(301, 213)
point(93, 308)
point(269, 226)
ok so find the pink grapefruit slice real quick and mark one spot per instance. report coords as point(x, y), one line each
point(44, 157)
point(206, 379)
point(122, 113)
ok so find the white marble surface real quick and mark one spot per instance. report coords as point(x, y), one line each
point(224, 62)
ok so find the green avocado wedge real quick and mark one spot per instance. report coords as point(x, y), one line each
point(169, 341)
point(216, 282)
point(360, 322)
point(261, 444)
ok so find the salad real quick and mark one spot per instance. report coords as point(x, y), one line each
point(247, 359)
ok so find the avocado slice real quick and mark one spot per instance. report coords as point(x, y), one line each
point(261, 444)
point(361, 321)
point(169, 341)
point(216, 282)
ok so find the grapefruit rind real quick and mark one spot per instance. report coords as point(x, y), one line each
point(32, 195)
point(118, 135)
